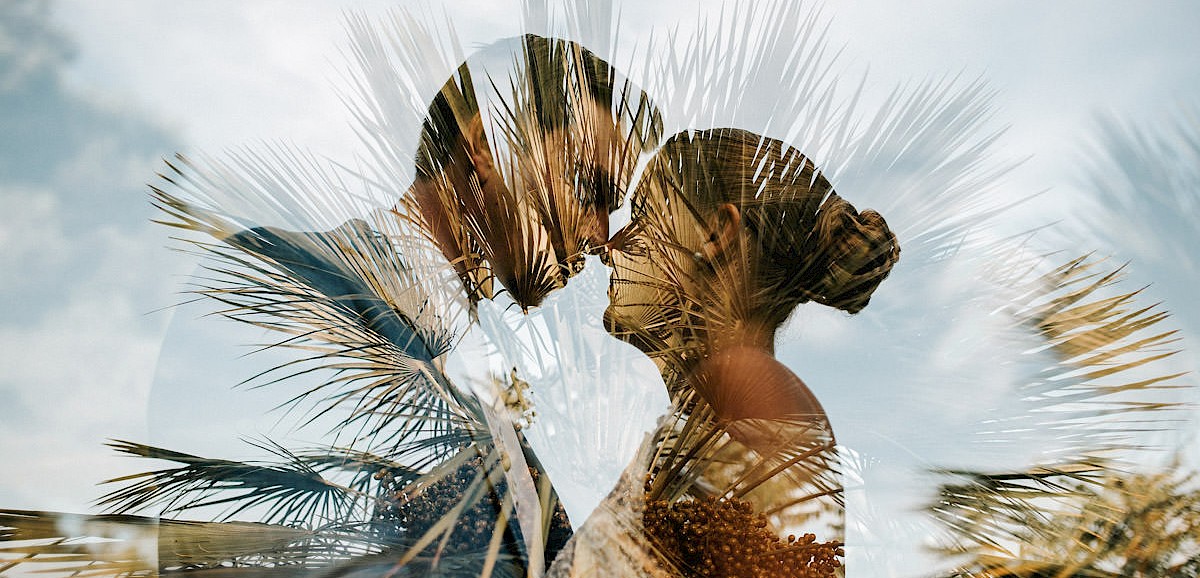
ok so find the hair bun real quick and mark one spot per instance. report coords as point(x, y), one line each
point(858, 251)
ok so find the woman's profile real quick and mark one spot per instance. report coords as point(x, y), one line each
point(730, 232)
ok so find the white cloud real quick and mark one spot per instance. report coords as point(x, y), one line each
point(78, 370)
point(31, 235)
point(83, 373)
point(81, 268)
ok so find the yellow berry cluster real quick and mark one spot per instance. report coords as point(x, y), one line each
point(725, 538)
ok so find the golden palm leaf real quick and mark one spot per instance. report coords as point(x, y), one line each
point(1061, 519)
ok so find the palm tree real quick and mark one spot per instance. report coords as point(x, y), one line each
point(430, 489)
point(435, 477)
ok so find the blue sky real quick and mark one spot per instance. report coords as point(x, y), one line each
point(93, 95)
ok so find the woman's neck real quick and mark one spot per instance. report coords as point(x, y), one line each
point(741, 379)
point(742, 334)
point(747, 382)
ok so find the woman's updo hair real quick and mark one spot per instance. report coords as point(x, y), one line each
point(808, 243)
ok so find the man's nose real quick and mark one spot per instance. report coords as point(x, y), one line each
point(605, 253)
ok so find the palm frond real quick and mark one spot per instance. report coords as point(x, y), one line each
point(1096, 393)
point(292, 492)
point(986, 509)
point(1144, 177)
point(514, 176)
point(457, 509)
point(790, 461)
point(1102, 383)
point(356, 301)
point(375, 319)
point(361, 465)
point(775, 51)
point(124, 545)
point(1097, 522)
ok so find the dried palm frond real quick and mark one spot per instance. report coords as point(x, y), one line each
point(920, 158)
point(1096, 395)
point(783, 465)
point(684, 309)
point(1102, 382)
point(123, 545)
point(754, 54)
point(1110, 358)
point(1087, 523)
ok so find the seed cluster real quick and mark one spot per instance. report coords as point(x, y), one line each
point(405, 515)
point(714, 538)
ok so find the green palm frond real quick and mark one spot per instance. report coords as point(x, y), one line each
point(292, 492)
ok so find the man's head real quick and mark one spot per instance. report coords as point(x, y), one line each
point(519, 189)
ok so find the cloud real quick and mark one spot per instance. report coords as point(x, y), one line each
point(79, 375)
point(82, 266)
point(31, 235)
point(269, 74)
point(26, 46)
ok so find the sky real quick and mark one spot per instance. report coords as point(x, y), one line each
point(93, 96)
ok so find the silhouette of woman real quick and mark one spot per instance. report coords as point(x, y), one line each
point(730, 232)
